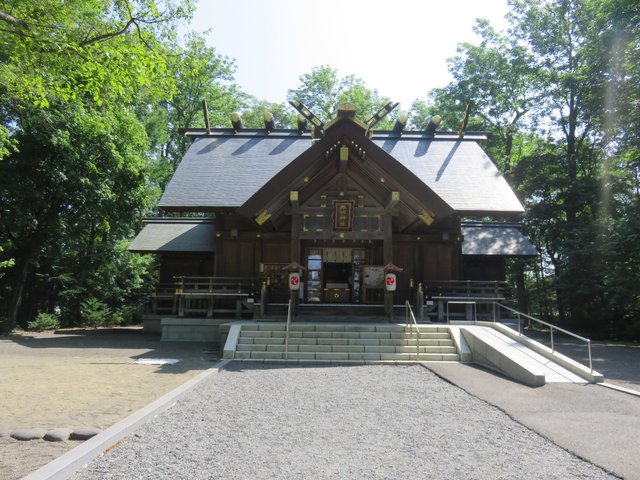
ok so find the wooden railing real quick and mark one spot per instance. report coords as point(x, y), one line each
point(205, 296)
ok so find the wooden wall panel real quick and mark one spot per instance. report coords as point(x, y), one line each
point(238, 258)
point(403, 257)
point(274, 251)
point(438, 262)
point(185, 264)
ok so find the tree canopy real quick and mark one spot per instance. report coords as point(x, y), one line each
point(93, 92)
point(73, 153)
point(556, 89)
point(322, 89)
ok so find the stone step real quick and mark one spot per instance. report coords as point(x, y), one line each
point(348, 356)
point(395, 342)
point(250, 347)
point(342, 334)
point(349, 342)
point(411, 343)
point(343, 328)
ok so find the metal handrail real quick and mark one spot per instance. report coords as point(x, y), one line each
point(410, 316)
point(286, 335)
point(551, 329)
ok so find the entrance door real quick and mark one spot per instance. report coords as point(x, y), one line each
point(314, 275)
point(333, 274)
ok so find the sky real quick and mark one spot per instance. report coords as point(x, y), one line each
point(398, 47)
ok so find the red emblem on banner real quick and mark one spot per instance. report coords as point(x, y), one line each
point(294, 281)
point(390, 281)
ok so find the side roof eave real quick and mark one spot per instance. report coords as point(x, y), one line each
point(175, 235)
point(490, 239)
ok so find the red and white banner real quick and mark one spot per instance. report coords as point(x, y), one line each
point(294, 281)
point(390, 282)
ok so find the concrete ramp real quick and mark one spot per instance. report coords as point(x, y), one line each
point(494, 349)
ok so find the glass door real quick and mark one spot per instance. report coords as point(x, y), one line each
point(314, 275)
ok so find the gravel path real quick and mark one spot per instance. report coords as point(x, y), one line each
point(254, 421)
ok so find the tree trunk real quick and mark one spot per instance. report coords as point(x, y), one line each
point(508, 149)
point(19, 286)
point(521, 292)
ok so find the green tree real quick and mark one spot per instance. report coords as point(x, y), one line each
point(561, 36)
point(73, 172)
point(499, 78)
point(5, 263)
point(558, 90)
point(322, 90)
point(75, 185)
point(199, 73)
point(253, 114)
point(102, 49)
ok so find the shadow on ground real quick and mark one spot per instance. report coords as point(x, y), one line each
point(618, 363)
point(131, 342)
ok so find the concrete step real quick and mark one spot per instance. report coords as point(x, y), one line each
point(348, 356)
point(251, 347)
point(346, 342)
point(391, 328)
point(344, 334)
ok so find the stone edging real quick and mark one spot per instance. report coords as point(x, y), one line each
point(620, 389)
point(63, 467)
point(52, 435)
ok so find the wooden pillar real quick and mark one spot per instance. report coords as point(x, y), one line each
point(387, 249)
point(218, 254)
point(296, 227)
point(420, 303)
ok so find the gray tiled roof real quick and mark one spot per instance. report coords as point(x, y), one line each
point(175, 235)
point(225, 171)
point(458, 171)
point(491, 239)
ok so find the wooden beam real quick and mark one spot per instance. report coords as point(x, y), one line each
point(308, 114)
point(263, 217)
point(380, 114)
point(392, 200)
point(296, 230)
point(344, 158)
point(387, 254)
point(426, 217)
point(293, 198)
point(387, 246)
point(371, 211)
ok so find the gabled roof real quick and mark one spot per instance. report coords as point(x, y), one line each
point(224, 169)
point(366, 165)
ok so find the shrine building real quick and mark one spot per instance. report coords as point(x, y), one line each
point(341, 205)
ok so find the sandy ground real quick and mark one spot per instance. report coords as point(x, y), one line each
point(82, 378)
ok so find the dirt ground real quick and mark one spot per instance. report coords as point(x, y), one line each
point(81, 379)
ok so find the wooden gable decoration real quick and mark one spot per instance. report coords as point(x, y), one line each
point(343, 184)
